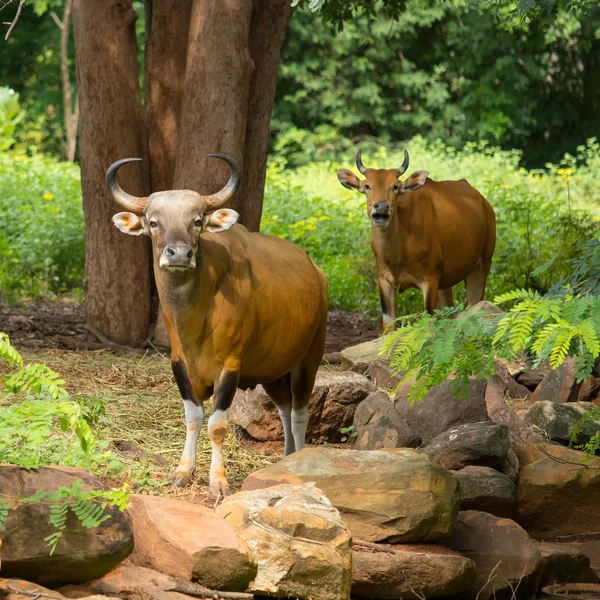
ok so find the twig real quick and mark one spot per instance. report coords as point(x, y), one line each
point(200, 592)
point(375, 546)
point(75, 344)
point(14, 23)
point(28, 593)
point(489, 579)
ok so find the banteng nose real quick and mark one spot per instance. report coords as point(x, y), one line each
point(178, 255)
point(381, 207)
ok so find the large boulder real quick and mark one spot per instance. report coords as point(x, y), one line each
point(558, 491)
point(397, 495)
point(302, 546)
point(81, 554)
point(382, 376)
point(559, 385)
point(558, 420)
point(378, 425)
point(502, 551)
point(487, 490)
point(484, 444)
point(410, 572)
point(440, 410)
point(331, 408)
point(360, 357)
point(190, 541)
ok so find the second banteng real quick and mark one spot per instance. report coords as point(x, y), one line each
point(426, 234)
point(240, 308)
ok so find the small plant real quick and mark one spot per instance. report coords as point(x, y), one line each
point(348, 433)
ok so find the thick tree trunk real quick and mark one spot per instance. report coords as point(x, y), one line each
point(111, 127)
point(166, 54)
point(270, 21)
point(215, 99)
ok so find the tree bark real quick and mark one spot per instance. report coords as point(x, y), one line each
point(165, 60)
point(270, 21)
point(111, 127)
point(215, 98)
point(71, 114)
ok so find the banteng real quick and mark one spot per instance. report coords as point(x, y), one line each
point(240, 309)
point(427, 234)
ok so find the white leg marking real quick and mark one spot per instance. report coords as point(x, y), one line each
point(299, 425)
point(387, 320)
point(194, 418)
point(217, 429)
point(285, 414)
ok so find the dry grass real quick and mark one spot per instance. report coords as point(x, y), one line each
point(144, 408)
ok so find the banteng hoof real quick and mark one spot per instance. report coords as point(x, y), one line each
point(180, 480)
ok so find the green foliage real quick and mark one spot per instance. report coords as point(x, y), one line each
point(42, 237)
point(348, 433)
point(590, 418)
point(10, 116)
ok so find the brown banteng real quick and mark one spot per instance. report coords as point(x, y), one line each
point(240, 309)
point(427, 234)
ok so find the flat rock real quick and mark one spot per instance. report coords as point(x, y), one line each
point(440, 410)
point(413, 572)
point(190, 541)
point(378, 425)
point(81, 554)
point(483, 444)
point(558, 491)
point(302, 546)
point(502, 551)
point(360, 357)
point(558, 420)
point(559, 385)
point(331, 408)
point(530, 379)
point(397, 494)
point(487, 490)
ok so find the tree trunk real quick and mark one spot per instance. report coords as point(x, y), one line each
point(215, 98)
point(165, 60)
point(270, 21)
point(112, 127)
point(71, 115)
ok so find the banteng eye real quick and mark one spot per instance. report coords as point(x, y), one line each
point(395, 187)
point(153, 223)
point(198, 222)
point(367, 186)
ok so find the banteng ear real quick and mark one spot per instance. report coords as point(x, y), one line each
point(415, 181)
point(220, 220)
point(129, 223)
point(348, 179)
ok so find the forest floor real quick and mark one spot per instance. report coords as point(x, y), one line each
point(143, 422)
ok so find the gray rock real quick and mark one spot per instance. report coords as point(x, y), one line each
point(378, 425)
point(360, 357)
point(440, 410)
point(485, 307)
point(484, 444)
point(380, 373)
point(558, 420)
point(487, 490)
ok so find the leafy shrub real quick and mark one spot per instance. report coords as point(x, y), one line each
point(10, 116)
point(42, 236)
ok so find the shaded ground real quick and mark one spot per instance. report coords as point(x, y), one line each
point(41, 325)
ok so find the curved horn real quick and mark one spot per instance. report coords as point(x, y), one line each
point(404, 164)
point(359, 163)
point(132, 203)
point(217, 200)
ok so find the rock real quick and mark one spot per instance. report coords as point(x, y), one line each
point(190, 541)
point(440, 410)
point(331, 408)
point(510, 467)
point(485, 307)
point(17, 589)
point(81, 554)
point(360, 357)
point(558, 491)
point(589, 391)
point(499, 412)
point(484, 444)
point(561, 564)
point(378, 425)
point(302, 546)
point(560, 385)
point(397, 495)
point(487, 490)
point(502, 551)
point(584, 544)
point(530, 379)
point(382, 376)
point(431, 571)
point(559, 420)
point(508, 384)
point(331, 358)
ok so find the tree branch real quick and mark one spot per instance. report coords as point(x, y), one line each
point(14, 22)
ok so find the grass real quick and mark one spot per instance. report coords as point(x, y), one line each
point(143, 407)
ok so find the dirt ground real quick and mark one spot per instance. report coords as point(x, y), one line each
point(143, 424)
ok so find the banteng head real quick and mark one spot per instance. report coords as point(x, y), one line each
point(175, 219)
point(381, 187)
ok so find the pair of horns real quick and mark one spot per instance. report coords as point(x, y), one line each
point(363, 169)
point(138, 205)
